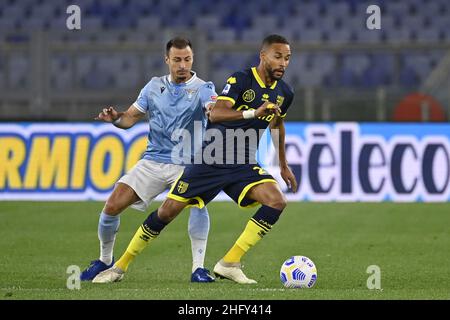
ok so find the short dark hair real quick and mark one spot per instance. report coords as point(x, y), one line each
point(179, 43)
point(273, 38)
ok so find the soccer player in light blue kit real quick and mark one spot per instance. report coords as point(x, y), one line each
point(174, 101)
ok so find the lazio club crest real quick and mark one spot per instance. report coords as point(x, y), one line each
point(190, 93)
point(182, 187)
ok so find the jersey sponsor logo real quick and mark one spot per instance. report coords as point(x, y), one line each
point(249, 95)
point(182, 187)
point(226, 89)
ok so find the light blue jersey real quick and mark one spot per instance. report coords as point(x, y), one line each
point(173, 106)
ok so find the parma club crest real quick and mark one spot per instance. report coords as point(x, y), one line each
point(182, 187)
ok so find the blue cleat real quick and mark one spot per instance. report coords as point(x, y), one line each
point(94, 269)
point(201, 275)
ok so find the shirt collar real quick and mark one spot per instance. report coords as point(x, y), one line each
point(192, 79)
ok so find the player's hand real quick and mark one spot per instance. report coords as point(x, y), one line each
point(289, 178)
point(108, 115)
point(267, 108)
point(208, 109)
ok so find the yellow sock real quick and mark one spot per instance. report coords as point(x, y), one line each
point(253, 232)
point(140, 240)
point(124, 261)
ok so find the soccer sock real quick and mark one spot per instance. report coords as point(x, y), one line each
point(147, 232)
point(198, 228)
point(257, 227)
point(107, 229)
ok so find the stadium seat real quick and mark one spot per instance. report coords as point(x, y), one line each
point(368, 36)
point(61, 75)
point(208, 22)
point(18, 72)
point(340, 36)
point(427, 35)
point(222, 35)
point(268, 24)
point(253, 35)
point(148, 23)
point(356, 63)
point(311, 36)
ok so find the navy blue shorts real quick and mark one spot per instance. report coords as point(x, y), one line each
point(200, 183)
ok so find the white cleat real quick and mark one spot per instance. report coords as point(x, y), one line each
point(231, 271)
point(113, 274)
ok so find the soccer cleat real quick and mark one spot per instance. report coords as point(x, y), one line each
point(201, 275)
point(113, 274)
point(231, 271)
point(94, 269)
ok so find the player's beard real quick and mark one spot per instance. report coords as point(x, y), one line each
point(182, 76)
point(272, 75)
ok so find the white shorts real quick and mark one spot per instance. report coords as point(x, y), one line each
point(149, 178)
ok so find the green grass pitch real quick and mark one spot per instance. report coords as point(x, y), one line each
point(409, 242)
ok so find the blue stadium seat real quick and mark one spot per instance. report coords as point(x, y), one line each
point(399, 35)
point(268, 24)
point(408, 77)
point(397, 8)
point(98, 76)
point(339, 10)
point(8, 23)
point(294, 22)
point(154, 66)
point(368, 36)
point(347, 78)
point(207, 22)
point(339, 36)
point(17, 11)
point(356, 62)
point(148, 23)
point(60, 73)
point(311, 36)
point(428, 35)
point(18, 71)
point(413, 22)
point(91, 24)
point(2, 70)
point(421, 64)
point(32, 24)
point(307, 9)
point(222, 35)
point(254, 35)
point(45, 11)
point(289, 33)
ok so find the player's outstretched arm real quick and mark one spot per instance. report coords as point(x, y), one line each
point(123, 120)
point(278, 134)
point(223, 111)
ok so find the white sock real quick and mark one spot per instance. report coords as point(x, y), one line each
point(107, 229)
point(198, 228)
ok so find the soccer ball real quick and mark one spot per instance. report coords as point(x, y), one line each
point(298, 272)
